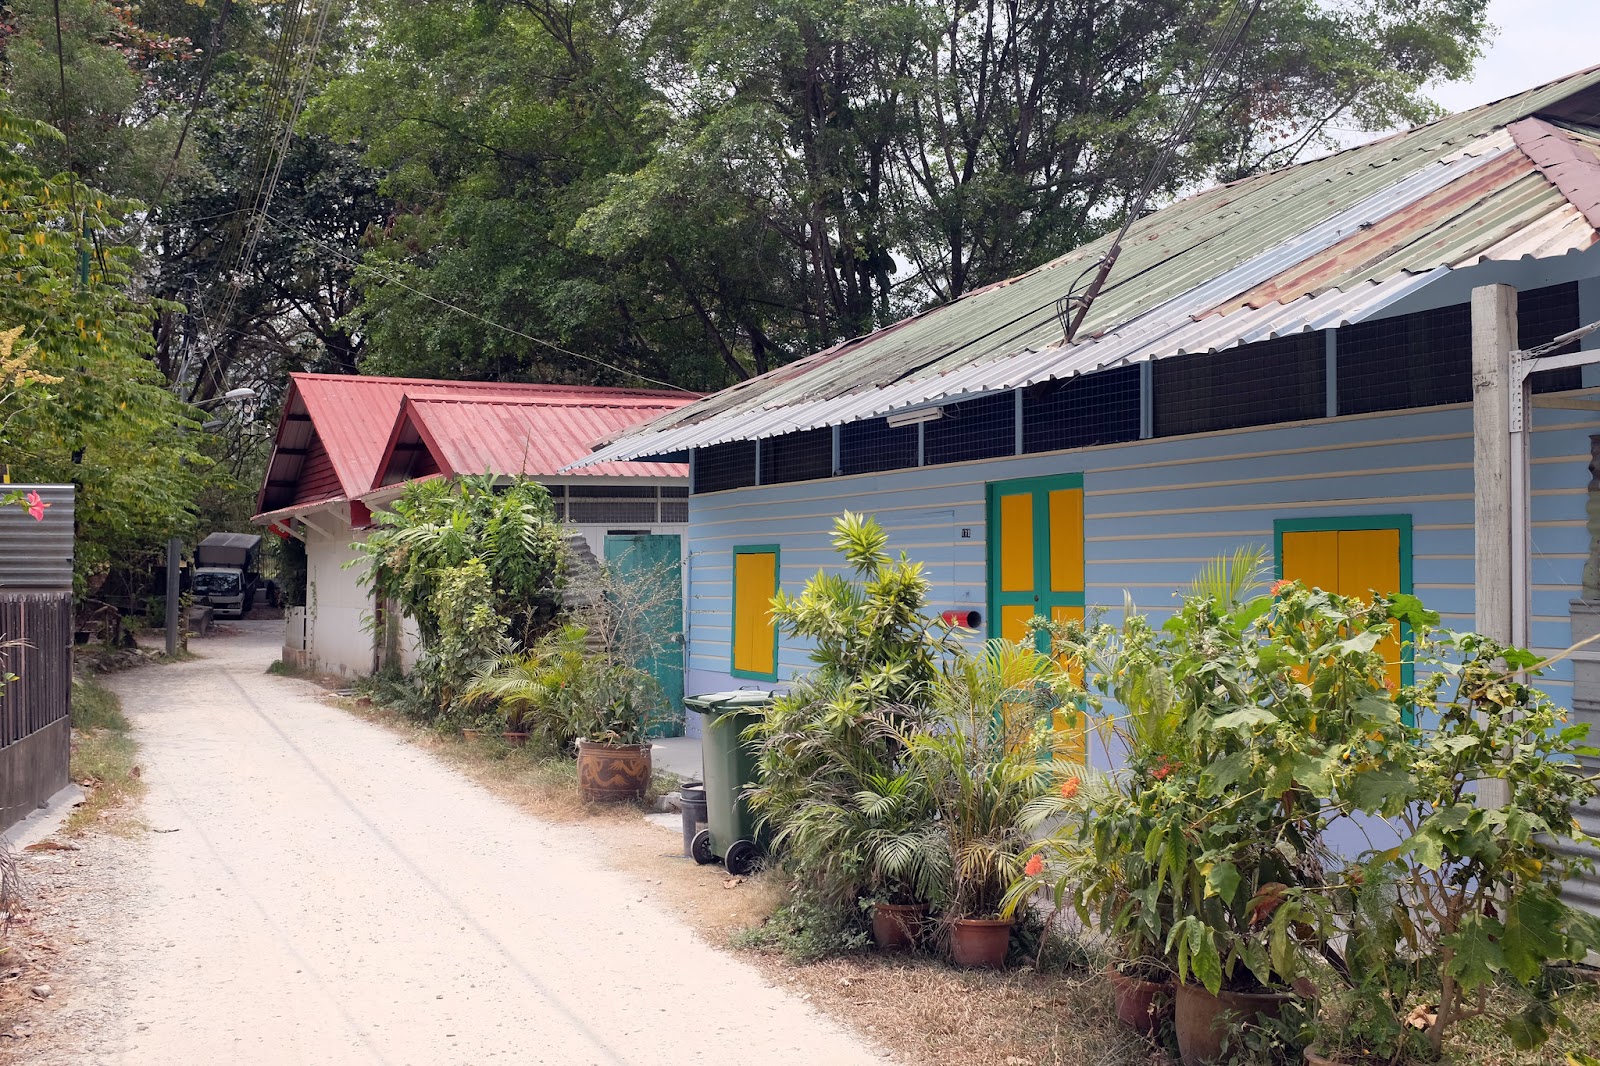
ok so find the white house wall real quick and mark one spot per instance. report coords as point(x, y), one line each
point(338, 608)
point(1156, 511)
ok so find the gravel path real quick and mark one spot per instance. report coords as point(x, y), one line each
point(314, 890)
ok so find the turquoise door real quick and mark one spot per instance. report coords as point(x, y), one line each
point(652, 563)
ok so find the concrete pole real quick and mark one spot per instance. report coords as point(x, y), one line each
point(1494, 338)
point(174, 563)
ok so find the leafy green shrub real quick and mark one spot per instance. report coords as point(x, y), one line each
point(831, 776)
point(476, 564)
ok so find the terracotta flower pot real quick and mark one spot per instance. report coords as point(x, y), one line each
point(1204, 1020)
point(611, 772)
point(980, 943)
point(898, 926)
point(1141, 1004)
point(516, 740)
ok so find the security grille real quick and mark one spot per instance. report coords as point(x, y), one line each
point(975, 429)
point(1280, 380)
point(1101, 408)
point(867, 447)
point(725, 466)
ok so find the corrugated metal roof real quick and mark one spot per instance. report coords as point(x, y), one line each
point(532, 437)
point(1311, 246)
point(355, 416)
point(36, 554)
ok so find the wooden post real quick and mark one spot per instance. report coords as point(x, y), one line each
point(1494, 338)
point(174, 562)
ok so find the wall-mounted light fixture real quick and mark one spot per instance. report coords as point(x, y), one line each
point(914, 416)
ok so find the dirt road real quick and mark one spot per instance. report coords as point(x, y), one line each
point(314, 890)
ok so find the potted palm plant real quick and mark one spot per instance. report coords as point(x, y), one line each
point(987, 753)
point(613, 706)
point(530, 690)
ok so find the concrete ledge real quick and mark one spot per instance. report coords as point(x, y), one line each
point(44, 821)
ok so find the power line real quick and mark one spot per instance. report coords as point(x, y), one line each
point(359, 265)
point(1072, 309)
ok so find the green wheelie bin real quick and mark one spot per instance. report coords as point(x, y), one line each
point(729, 764)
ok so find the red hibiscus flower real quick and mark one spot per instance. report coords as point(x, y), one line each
point(36, 506)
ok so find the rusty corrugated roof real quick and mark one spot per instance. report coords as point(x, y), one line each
point(355, 417)
point(1251, 258)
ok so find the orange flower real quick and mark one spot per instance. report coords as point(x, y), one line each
point(1035, 866)
point(1069, 787)
point(1164, 768)
point(1279, 586)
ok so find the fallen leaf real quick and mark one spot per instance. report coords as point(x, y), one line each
point(134, 772)
point(733, 882)
point(51, 845)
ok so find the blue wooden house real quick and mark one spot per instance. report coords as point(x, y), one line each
point(1287, 360)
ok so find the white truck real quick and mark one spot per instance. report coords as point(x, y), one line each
point(226, 573)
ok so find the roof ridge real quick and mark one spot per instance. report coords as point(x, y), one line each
point(452, 383)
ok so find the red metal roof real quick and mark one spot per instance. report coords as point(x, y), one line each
point(536, 437)
point(356, 419)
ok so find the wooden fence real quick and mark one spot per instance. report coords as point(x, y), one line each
point(36, 646)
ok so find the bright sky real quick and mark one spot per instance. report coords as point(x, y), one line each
point(1538, 40)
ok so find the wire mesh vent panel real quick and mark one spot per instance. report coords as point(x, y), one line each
point(865, 447)
point(725, 466)
point(1542, 316)
point(803, 456)
point(674, 492)
point(595, 511)
point(1100, 408)
point(674, 511)
point(975, 429)
point(612, 492)
point(1279, 380)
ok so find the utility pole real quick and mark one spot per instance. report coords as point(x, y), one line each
point(174, 561)
point(1496, 478)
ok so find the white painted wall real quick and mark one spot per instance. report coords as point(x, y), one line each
point(338, 608)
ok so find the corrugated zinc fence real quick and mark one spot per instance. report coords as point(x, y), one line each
point(36, 629)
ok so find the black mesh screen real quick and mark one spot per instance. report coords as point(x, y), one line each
point(974, 429)
point(1542, 316)
point(865, 447)
point(1416, 360)
point(725, 466)
point(802, 456)
point(1279, 380)
point(1099, 408)
point(612, 492)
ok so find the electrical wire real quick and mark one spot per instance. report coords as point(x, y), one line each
point(199, 95)
point(359, 265)
point(1072, 309)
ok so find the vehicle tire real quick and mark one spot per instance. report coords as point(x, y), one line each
point(700, 848)
point(741, 857)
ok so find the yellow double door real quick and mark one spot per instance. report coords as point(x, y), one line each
point(1352, 557)
point(1036, 567)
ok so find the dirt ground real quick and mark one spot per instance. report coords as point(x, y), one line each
point(299, 886)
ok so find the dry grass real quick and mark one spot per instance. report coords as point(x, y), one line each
point(104, 758)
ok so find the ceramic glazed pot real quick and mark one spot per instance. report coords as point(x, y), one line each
point(1203, 1020)
point(610, 772)
point(1141, 1004)
point(898, 926)
point(516, 740)
point(980, 943)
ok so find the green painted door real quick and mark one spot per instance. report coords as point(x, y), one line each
point(1036, 566)
point(653, 564)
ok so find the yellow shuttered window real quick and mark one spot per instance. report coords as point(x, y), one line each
point(755, 636)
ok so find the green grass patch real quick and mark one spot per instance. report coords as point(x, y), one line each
point(96, 707)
